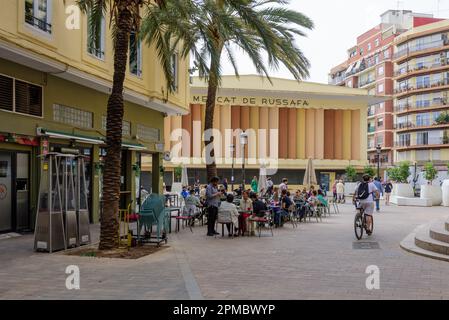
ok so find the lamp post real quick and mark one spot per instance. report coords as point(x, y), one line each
point(378, 151)
point(232, 147)
point(243, 142)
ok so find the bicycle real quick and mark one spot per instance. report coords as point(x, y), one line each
point(360, 222)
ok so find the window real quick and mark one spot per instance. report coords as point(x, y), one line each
point(174, 65)
point(376, 42)
point(6, 93)
point(28, 98)
point(146, 133)
point(379, 140)
point(422, 100)
point(135, 55)
point(380, 71)
point(422, 82)
point(72, 116)
point(386, 54)
point(369, 46)
point(422, 155)
point(423, 119)
point(38, 14)
point(404, 140)
point(380, 88)
point(422, 138)
point(380, 122)
point(126, 126)
point(436, 155)
point(96, 38)
point(21, 97)
point(361, 51)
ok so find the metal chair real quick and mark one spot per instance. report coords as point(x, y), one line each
point(224, 217)
point(265, 221)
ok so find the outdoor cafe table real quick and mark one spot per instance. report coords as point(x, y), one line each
point(169, 211)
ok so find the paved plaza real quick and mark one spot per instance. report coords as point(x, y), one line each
point(314, 261)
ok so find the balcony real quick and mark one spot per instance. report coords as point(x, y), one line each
point(371, 129)
point(38, 23)
point(423, 105)
point(420, 67)
point(420, 47)
point(419, 86)
point(337, 80)
point(425, 143)
point(366, 82)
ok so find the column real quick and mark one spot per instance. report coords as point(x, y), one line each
point(197, 129)
point(338, 135)
point(347, 134)
point(292, 129)
point(310, 133)
point(301, 134)
point(236, 127)
point(329, 134)
point(186, 135)
point(319, 134)
point(157, 177)
point(264, 141)
point(253, 144)
point(274, 132)
point(355, 135)
point(283, 133)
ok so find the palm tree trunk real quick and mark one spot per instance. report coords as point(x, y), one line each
point(211, 166)
point(111, 178)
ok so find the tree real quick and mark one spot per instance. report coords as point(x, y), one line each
point(351, 173)
point(178, 173)
point(209, 29)
point(124, 18)
point(430, 172)
point(400, 173)
point(369, 171)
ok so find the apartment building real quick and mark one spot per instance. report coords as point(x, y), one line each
point(370, 66)
point(421, 80)
point(54, 87)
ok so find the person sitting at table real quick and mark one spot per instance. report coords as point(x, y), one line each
point(184, 192)
point(203, 193)
point(312, 200)
point(245, 203)
point(258, 205)
point(229, 207)
point(191, 204)
point(275, 196)
point(297, 197)
point(286, 203)
point(321, 198)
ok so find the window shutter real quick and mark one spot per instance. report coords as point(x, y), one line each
point(28, 99)
point(6, 93)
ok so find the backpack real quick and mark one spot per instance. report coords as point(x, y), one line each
point(362, 191)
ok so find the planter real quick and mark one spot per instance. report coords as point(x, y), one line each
point(431, 192)
point(402, 190)
point(445, 192)
point(350, 188)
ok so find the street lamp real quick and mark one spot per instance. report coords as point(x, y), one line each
point(243, 142)
point(232, 147)
point(378, 150)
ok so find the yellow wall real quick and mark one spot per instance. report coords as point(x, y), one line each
point(69, 47)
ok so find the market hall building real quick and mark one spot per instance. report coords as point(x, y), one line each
point(288, 122)
point(54, 88)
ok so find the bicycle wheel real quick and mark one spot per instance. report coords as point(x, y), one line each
point(358, 226)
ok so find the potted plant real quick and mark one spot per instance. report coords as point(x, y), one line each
point(350, 183)
point(430, 191)
point(400, 174)
point(445, 189)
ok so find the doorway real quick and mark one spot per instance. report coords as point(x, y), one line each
point(14, 191)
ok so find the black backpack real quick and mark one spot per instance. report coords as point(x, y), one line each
point(363, 191)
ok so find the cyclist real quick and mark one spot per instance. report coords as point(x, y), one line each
point(364, 193)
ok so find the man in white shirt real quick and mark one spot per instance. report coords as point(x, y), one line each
point(283, 185)
point(364, 193)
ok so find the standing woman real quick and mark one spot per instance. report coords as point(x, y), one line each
point(254, 184)
point(212, 202)
point(388, 188)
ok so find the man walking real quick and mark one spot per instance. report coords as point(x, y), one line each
point(212, 203)
point(378, 185)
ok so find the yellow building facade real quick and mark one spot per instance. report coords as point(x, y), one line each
point(55, 80)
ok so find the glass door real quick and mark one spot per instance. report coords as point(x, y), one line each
point(5, 191)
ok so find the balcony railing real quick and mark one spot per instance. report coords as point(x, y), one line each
point(428, 142)
point(366, 82)
point(424, 85)
point(422, 105)
point(411, 125)
point(337, 80)
point(38, 23)
point(371, 129)
point(426, 66)
point(420, 47)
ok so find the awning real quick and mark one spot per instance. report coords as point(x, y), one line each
point(349, 68)
point(70, 136)
point(85, 139)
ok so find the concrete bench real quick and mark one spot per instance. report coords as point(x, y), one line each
point(411, 202)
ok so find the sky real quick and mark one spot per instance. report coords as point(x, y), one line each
point(337, 25)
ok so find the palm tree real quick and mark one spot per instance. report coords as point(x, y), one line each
point(208, 29)
point(124, 18)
